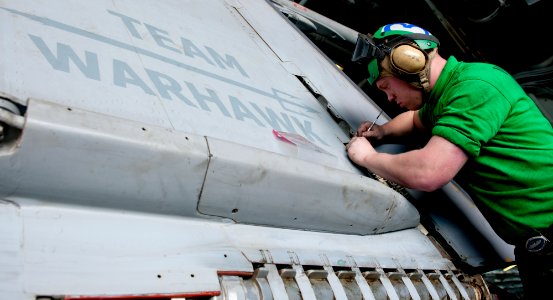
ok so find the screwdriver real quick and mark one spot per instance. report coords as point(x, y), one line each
point(372, 124)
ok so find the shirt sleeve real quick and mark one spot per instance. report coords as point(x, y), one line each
point(469, 114)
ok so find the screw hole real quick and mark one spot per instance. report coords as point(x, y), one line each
point(225, 255)
point(192, 275)
point(235, 210)
point(158, 276)
point(69, 109)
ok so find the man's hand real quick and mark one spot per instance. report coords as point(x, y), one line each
point(360, 150)
point(376, 131)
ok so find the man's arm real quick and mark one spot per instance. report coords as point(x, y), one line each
point(426, 169)
point(402, 125)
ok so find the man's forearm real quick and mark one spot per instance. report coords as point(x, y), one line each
point(405, 169)
point(402, 125)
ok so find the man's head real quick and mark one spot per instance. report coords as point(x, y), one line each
point(401, 50)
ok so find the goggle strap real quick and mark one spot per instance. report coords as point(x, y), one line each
point(412, 37)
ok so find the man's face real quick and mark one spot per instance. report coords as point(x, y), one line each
point(400, 92)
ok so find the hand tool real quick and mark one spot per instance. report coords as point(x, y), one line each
point(372, 124)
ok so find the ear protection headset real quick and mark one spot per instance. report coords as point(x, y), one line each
point(409, 62)
point(407, 59)
point(406, 49)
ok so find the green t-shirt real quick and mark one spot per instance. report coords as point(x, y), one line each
point(480, 108)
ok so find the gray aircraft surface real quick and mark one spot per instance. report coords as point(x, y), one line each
point(195, 149)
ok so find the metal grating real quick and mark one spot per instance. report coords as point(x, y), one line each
point(271, 281)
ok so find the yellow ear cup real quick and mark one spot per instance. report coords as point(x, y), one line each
point(408, 59)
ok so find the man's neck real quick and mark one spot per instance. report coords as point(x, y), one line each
point(436, 66)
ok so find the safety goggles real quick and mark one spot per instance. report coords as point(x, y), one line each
point(367, 52)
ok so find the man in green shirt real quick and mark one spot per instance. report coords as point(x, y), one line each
point(483, 127)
